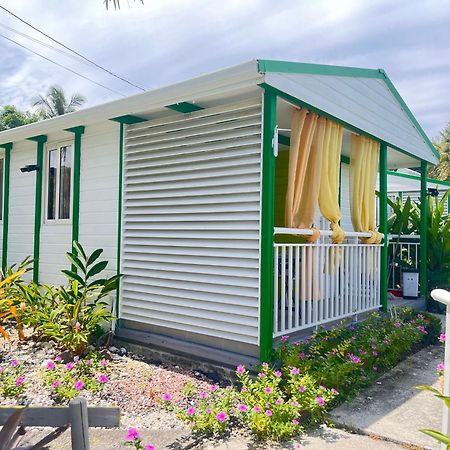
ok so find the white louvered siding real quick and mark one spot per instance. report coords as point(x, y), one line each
point(191, 225)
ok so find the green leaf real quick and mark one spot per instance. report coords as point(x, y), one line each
point(94, 256)
point(437, 435)
point(79, 249)
point(76, 261)
point(97, 268)
point(429, 388)
point(73, 276)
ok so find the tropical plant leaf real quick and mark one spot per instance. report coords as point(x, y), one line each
point(79, 249)
point(76, 261)
point(437, 435)
point(94, 256)
point(9, 428)
point(73, 276)
point(97, 268)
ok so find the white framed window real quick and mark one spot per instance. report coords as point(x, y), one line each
point(59, 182)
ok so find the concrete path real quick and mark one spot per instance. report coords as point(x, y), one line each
point(393, 407)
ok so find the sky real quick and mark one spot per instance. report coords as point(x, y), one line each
point(164, 41)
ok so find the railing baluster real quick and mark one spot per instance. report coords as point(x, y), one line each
point(276, 300)
point(283, 288)
point(311, 282)
point(303, 299)
point(297, 285)
point(290, 258)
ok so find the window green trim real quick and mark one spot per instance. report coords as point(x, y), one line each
point(284, 140)
point(6, 176)
point(383, 227)
point(417, 178)
point(78, 132)
point(184, 107)
point(40, 141)
point(266, 65)
point(267, 228)
point(128, 119)
point(423, 230)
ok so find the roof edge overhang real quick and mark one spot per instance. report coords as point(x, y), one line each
point(268, 66)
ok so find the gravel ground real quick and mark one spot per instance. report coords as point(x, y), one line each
point(135, 386)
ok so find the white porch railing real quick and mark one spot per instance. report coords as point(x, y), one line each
point(403, 252)
point(323, 282)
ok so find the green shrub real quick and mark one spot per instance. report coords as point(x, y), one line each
point(12, 379)
point(71, 315)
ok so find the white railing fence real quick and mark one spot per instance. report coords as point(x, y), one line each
point(323, 282)
point(404, 252)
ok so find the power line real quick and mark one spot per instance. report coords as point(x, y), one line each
point(61, 65)
point(73, 51)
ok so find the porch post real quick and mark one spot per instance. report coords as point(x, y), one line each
point(423, 229)
point(383, 227)
point(267, 228)
point(6, 177)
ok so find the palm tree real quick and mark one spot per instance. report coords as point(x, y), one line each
point(116, 3)
point(442, 170)
point(54, 103)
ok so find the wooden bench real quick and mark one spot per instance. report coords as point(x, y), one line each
point(77, 415)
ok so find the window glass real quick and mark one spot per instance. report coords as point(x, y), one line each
point(1, 187)
point(52, 180)
point(65, 162)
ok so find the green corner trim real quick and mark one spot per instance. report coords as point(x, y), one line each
point(345, 159)
point(383, 227)
point(184, 107)
point(267, 228)
point(6, 170)
point(40, 140)
point(267, 65)
point(417, 178)
point(119, 217)
point(423, 230)
point(128, 119)
point(284, 140)
point(78, 132)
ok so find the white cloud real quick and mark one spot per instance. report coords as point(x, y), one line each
point(165, 41)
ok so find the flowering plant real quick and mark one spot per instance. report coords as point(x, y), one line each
point(67, 380)
point(12, 379)
point(133, 439)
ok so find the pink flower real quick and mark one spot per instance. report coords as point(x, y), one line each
point(240, 369)
point(190, 411)
point(279, 401)
point(88, 362)
point(334, 391)
point(132, 434)
point(269, 412)
point(354, 359)
point(70, 366)
point(302, 389)
point(265, 365)
point(261, 375)
point(167, 397)
point(442, 337)
point(294, 403)
point(77, 326)
point(1, 369)
point(422, 329)
point(20, 380)
point(242, 407)
point(208, 410)
point(14, 363)
point(58, 358)
point(295, 371)
point(203, 394)
point(102, 378)
point(104, 362)
point(213, 388)
point(221, 416)
point(244, 389)
point(320, 401)
point(284, 338)
point(374, 368)
point(55, 384)
point(149, 447)
point(257, 409)
point(301, 356)
point(323, 388)
point(397, 324)
point(374, 353)
point(278, 374)
point(267, 390)
point(440, 367)
point(421, 316)
point(295, 422)
point(79, 385)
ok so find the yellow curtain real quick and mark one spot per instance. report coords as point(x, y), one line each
point(329, 180)
point(305, 159)
point(364, 157)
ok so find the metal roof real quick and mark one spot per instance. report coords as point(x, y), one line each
point(363, 100)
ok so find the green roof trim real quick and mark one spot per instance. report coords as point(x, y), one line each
point(128, 119)
point(417, 178)
point(267, 65)
point(77, 130)
point(40, 138)
point(7, 146)
point(184, 107)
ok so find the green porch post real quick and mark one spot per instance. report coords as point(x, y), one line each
point(40, 140)
point(6, 169)
point(423, 229)
point(267, 228)
point(383, 227)
point(78, 133)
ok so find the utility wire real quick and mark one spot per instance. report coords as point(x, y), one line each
point(73, 51)
point(61, 65)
